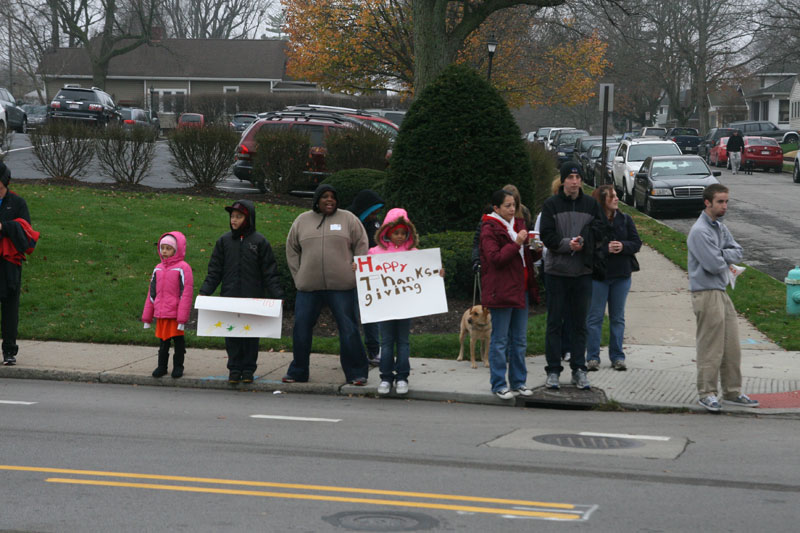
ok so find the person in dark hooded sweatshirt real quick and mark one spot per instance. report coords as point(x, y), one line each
point(366, 206)
point(16, 232)
point(243, 262)
point(319, 251)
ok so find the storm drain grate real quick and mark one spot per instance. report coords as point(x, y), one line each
point(588, 442)
point(382, 521)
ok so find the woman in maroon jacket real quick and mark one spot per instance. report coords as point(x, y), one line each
point(507, 278)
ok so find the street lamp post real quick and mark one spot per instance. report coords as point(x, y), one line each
point(491, 44)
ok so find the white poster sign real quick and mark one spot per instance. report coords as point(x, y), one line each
point(400, 285)
point(238, 317)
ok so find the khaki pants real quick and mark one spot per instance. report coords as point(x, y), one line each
point(718, 353)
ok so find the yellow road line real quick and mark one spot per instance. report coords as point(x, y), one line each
point(327, 488)
point(373, 501)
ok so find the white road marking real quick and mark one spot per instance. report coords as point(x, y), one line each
point(624, 436)
point(11, 402)
point(297, 418)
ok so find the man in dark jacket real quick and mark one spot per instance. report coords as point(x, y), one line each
point(567, 227)
point(12, 207)
point(366, 206)
point(243, 262)
point(734, 147)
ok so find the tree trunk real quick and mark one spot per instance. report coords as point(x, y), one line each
point(431, 54)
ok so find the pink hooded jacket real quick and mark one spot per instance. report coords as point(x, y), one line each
point(171, 286)
point(394, 218)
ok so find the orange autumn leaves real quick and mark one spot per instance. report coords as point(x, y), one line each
point(354, 46)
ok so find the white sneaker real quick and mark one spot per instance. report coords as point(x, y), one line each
point(523, 391)
point(504, 394)
point(385, 387)
point(401, 387)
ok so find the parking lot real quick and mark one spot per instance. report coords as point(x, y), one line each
point(20, 160)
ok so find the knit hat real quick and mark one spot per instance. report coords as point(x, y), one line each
point(5, 174)
point(570, 167)
point(169, 240)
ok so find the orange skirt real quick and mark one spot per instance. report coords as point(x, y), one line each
point(166, 328)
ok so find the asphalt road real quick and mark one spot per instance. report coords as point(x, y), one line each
point(763, 218)
point(92, 457)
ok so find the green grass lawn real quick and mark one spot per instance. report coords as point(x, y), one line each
point(759, 297)
point(88, 278)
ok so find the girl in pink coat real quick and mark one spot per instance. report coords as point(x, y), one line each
point(396, 234)
point(169, 300)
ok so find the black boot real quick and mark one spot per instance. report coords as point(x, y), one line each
point(163, 359)
point(177, 357)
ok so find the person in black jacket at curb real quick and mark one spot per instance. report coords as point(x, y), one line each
point(570, 223)
point(243, 262)
point(11, 207)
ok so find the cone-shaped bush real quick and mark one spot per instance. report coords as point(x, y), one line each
point(457, 145)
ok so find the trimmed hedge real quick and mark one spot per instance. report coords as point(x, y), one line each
point(281, 158)
point(349, 182)
point(458, 144)
point(456, 249)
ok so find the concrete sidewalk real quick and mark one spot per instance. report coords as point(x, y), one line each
point(659, 353)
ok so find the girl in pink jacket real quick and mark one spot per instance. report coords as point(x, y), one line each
point(169, 300)
point(396, 234)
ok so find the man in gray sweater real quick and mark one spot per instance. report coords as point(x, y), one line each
point(712, 250)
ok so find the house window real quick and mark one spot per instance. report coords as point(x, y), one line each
point(171, 100)
point(783, 111)
point(764, 110)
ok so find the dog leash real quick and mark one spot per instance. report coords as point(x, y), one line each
point(476, 287)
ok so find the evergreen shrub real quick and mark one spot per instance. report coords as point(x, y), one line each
point(543, 171)
point(456, 250)
point(458, 144)
point(349, 182)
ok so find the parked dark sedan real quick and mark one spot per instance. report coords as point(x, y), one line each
point(687, 139)
point(564, 143)
point(588, 160)
point(135, 116)
point(604, 171)
point(37, 115)
point(672, 183)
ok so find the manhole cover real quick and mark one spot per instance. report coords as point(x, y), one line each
point(587, 442)
point(378, 521)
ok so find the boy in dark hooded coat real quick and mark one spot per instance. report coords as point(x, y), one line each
point(243, 262)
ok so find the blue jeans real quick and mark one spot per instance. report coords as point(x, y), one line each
point(395, 365)
point(615, 292)
point(566, 297)
point(509, 327)
point(307, 307)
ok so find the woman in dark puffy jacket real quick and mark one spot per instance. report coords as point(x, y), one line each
point(508, 281)
point(623, 243)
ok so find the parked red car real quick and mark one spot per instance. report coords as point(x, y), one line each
point(718, 155)
point(762, 152)
point(191, 120)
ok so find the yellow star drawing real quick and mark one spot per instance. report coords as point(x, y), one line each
point(247, 327)
point(218, 325)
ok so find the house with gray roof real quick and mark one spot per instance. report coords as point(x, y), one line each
point(769, 101)
point(163, 73)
